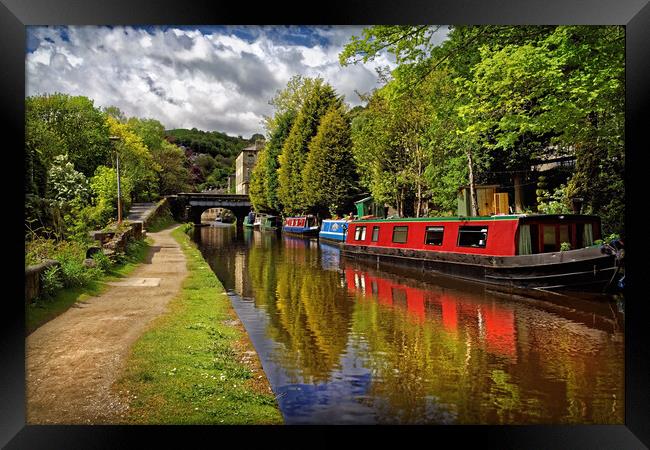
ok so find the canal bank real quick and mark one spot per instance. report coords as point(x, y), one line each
point(195, 364)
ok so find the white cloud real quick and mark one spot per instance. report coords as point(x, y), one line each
point(189, 78)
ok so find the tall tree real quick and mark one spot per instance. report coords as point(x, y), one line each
point(317, 100)
point(329, 177)
point(75, 124)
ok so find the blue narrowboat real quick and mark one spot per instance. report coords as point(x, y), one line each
point(301, 226)
point(334, 229)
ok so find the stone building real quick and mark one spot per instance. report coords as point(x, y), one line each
point(244, 166)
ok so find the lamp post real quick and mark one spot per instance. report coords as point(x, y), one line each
point(114, 139)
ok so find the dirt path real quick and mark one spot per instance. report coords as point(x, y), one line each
point(72, 361)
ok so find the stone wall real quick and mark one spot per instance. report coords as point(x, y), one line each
point(118, 241)
point(33, 278)
point(161, 208)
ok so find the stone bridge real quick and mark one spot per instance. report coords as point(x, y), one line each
point(188, 206)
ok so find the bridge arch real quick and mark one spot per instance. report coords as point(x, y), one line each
point(189, 206)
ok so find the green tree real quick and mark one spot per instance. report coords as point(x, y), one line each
point(173, 175)
point(264, 177)
point(104, 185)
point(77, 127)
point(294, 150)
point(65, 183)
point(329, 177)
point(136, 161)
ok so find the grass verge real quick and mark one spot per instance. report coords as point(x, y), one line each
point(195, 364)
point(42, 311)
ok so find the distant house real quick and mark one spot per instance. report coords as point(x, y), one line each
point(244, 166)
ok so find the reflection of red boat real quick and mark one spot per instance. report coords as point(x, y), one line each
point(496, 323)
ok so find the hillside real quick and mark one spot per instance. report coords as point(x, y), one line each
point(211, 154)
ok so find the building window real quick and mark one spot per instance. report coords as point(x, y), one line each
point(360, 234)
point(400, 234)
point(375, 234)
point(472, 237)
point(433, 235)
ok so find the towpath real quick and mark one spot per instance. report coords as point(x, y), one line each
point(73, 360)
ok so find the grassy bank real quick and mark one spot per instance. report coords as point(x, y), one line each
point(195, 364)
point(46, 309)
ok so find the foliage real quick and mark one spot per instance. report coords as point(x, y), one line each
point(51, 281)
point(329, 178)
point(264, 177)
point(188, 228)
point(73, 125)
point(318, 97)
point(104, 185)
point(565, 246)
point(102, 261)
point(65, 184)
point(504, 98)
point(555, 203)
point(136, 162)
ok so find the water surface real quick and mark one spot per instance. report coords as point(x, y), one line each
point(344, 342)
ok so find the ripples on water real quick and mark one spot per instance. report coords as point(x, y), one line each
point(345, 342)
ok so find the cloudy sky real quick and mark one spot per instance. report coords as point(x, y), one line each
point(211, 78)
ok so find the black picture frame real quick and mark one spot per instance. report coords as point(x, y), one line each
point(15, 15)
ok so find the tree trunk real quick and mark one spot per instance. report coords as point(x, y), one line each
point(472, 187)
point(519, 204)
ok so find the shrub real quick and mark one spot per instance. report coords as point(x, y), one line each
point(51, 281)
point(564, 246)
point(187, 228)
point(102, 261)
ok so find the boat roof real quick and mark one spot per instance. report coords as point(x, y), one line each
point(479, 218)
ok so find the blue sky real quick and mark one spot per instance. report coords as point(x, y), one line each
point(208, 77)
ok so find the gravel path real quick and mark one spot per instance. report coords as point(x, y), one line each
point(73, 360)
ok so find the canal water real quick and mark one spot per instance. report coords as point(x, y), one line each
point(345, 342)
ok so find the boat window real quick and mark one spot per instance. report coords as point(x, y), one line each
point(588, 235)
point(433, 235)
point(360, 234)
point(525, 242)
point(472, 236)
point(564, 234)
point(549, 239)
point(400, 234)
point(375, 233)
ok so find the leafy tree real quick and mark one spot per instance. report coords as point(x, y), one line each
point(79, 129)
point(264, 178)
point(151, 131)
point(173, 175)
point(294, 151)
point(329, 177)
point(136, 161)
point(104, 185)
point(65, 183)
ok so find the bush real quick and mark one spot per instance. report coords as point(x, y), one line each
point(76, 275)
point(564, 246)
point(102, 261)
point(51, 281)
point(187, 228)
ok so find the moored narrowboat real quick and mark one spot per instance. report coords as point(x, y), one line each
point(249, 220)
point(334, 230)
point(520, 251)
point(302, 226)
point(270, 223)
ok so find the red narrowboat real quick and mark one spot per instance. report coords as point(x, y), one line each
point(301, 226)
point(517, 251)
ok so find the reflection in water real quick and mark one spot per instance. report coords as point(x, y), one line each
point(345, 343)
